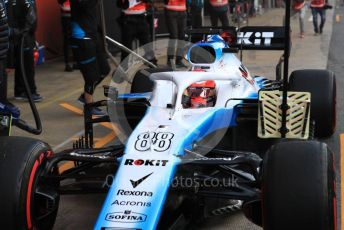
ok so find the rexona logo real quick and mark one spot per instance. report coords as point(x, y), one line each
point(258, 38)
point(134, 193)
point(131, 203)
point(145, 162)
point(126, 217)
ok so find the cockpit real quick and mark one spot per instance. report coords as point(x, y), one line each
point(199, 95)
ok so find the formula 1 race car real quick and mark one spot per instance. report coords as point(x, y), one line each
point(204, 141)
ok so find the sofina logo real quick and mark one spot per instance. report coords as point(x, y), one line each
point(126, 217)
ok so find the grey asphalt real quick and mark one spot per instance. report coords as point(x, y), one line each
point(336, 64)
point(80, 212)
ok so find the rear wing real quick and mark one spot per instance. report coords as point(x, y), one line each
point(246, 38)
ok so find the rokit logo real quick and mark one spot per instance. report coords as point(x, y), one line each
point(126, 217)
point(259, 38)
point(134, 193)
point(140, 162)
point(131, 203)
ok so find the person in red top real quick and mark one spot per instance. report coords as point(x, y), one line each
point(299, 7)
point(219, 10)
point(175, 11)
point(317, 7)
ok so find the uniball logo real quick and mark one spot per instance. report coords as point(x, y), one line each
point(140, 162)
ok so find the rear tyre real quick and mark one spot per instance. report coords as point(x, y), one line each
point(322, 86)
point(299, 187)
point(27, 201)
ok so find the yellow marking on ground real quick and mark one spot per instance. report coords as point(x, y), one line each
point(103, 141)
point(72, 108)
point(112, 126)
point(338, 17)
point(50, 101)
point(342, 177)
point(100, 142)
point(107, 125)
point(65, 166)
point(80, 112)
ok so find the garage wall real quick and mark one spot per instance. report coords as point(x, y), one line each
point(49, 28)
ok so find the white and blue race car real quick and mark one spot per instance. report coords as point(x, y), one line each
point(203, 142)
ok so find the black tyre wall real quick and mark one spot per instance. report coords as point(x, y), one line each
point(17, 158)
point(322, 86)
point(298, 187)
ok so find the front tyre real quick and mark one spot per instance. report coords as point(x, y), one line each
point(28, 199)
point(299, 187)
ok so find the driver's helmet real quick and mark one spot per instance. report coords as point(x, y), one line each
point(199, 95)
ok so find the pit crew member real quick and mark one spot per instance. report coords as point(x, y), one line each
point(88, 49)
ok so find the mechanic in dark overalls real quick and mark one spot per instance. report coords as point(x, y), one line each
point(195, 8)
point(4, 32)
point(66, 31)
point(22, 19)
point(195, 11)
point(134, 25)
point(88, 48)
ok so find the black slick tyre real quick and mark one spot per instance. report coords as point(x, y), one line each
point(322, 86)
point(27, 201)
point(298, 188)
